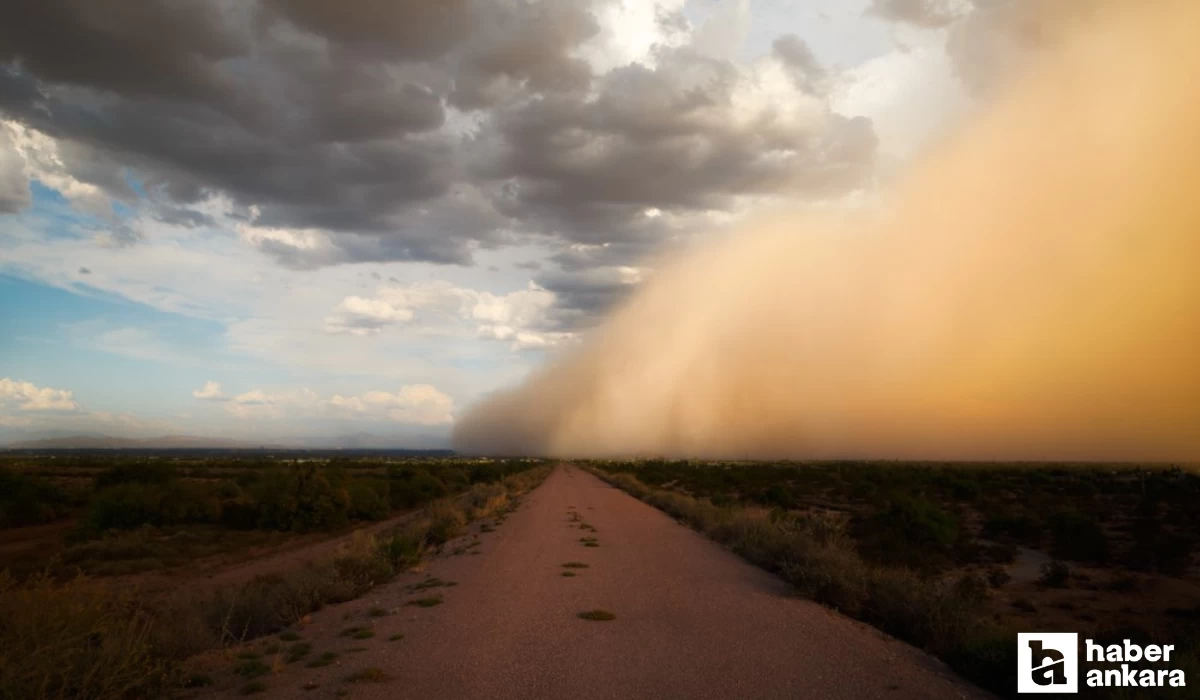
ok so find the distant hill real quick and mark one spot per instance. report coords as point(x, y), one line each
point(108, 442)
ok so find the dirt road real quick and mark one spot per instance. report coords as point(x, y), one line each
point(692, 620)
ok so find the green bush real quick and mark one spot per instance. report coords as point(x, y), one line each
point(1020, 526)
point(301, 500)
point(911, 531)
point(133, 504)
point(138, 473)
point(29, 500)
point(1078, 537)
point(369, 499)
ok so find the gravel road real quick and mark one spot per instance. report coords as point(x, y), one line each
point(692, 620)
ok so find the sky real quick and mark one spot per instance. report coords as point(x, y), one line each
point(292, 221)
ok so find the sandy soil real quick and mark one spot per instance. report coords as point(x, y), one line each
point(692, 621)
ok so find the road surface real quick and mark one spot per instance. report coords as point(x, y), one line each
point(692, 620)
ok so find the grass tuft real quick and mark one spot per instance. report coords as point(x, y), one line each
point(368, 675)
point(251, 668)
point(325, 659)
point(297, 651)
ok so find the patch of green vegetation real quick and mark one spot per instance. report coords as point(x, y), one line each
point(325, 659)
point(249, 654)
point(368, 675)
point(251, 668)
point(597, 615)
point(289, 636)
point(351, 631)
point(431, 582)
point(396, 637)
point(376, 611)
point(575, 565)
point(297, 651)
point(253, 687)
point(426, 602)
point(568, 574)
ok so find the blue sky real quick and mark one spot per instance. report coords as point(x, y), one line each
point(170, 286)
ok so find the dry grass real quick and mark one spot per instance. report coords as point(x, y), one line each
point(368, 675)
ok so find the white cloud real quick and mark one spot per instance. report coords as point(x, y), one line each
point(211, 391)
point(360, 316)
point(520, 317)
point(29, 397)
point(43, 162)
point(419, 404)
point(416, 404)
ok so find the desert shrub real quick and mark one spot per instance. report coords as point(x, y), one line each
point(454, 479)
point(29, 500)
point(485, 500)
point(76, 640)
point(778, 496)
point(1055, 574)
point(911, 531)
point(937, 615)
point(369, 499)
point(405, 546)
point(133, 504)
point(1078, 537)
point(1020, 526)
point(139, 473)
point(363, 564)
point(412, 488)
point(1156, 547)
point(446, 521)
point(301, 500)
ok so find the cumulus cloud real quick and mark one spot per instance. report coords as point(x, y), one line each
point(418, 404)
point(211, 391)
point(525, 318)
point(29, 397)
point(415, 404)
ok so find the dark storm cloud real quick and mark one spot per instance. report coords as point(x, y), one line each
point(668, 138)
point(155, 49)
point(584, 296)
point(370, 130)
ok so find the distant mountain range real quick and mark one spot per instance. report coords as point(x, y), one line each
point(357, 441)
point(108, 442)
